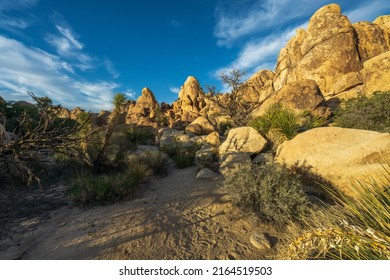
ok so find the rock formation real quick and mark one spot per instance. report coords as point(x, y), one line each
point(242, 140)
point(257, 88)
point(191, 101)
point(336, 55)
point(376, 74)
point(143, 111)
point(297, 96)
point(200, 126)
point(339, 155)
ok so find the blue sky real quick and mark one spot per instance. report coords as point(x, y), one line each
point(79, 53)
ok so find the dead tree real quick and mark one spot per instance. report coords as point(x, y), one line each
point(238, 110)
point(22, 146)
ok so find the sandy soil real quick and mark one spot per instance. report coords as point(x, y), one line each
point(177, 217)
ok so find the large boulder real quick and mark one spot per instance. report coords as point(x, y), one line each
point(376, 74)
point(171, 137)
point(333, 53)
point(191, 100)
point(213, 139)
point(339, 155)
point(206, 156)
point(143, 111)
point(288, 59)
point(242, 140)
point(329, 49)
point(299, 96)
point(371, 40)
point(348, 86)
point(200, 126)
point(384, 23)
point(257, 88)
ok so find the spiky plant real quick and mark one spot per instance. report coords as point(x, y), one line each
point(356, 228)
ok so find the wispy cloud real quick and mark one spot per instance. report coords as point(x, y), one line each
point(65, 42)
point(131, 94)
point(12, 23)
point(16, 4)
point(25, 68)
point(174, 90)
point(111, 68)
point(369, 11)
point(238, 19)
point(259, 54)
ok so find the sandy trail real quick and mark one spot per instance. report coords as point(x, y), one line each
point(178, 217)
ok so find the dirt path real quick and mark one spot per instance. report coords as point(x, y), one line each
point(178, 217)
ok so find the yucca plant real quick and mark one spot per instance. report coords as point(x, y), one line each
point(356, 228)
point(279, 118)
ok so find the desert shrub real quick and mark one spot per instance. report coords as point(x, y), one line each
point(271, 191)
point(277, 118)
point(279, 124)
point(183, 159)
point(183, 155)
point(310, 121)
point(118, 148)
point(353, 229)
point(224, 127)
point(87, 188)
point(370, 113)
point(140, 135)
point(155, 160)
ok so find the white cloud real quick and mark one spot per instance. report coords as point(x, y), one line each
point(16, 4)
point(67, 44)
point(368, 12)
point(130, 93)
point(24, 68)
point(111, 68)
point(174, 90)
point(241, 19)
point(259, 54)
point(14, 23)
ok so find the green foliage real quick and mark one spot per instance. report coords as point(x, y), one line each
point(271, 191)
point(182, 155)
point(279, 118)
point(155, 160)
point(140, 135)
point(160, 118)
point(99, 189)
point(16, 113)
point(118, 100)
point(44, 102)
point(355, 228)
point(224, 127)
point(370, 113)
point(310, 121)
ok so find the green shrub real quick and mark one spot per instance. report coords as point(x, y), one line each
point(182, 155)
point(183, 159)
point(119, 146)
point(370, 113)
point(87, 188)
point(140, 135)
point(277, 117)
point(271, 191)
point(155, 160)
point(353, 229)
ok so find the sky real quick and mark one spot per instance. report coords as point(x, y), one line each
point(82, 52)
